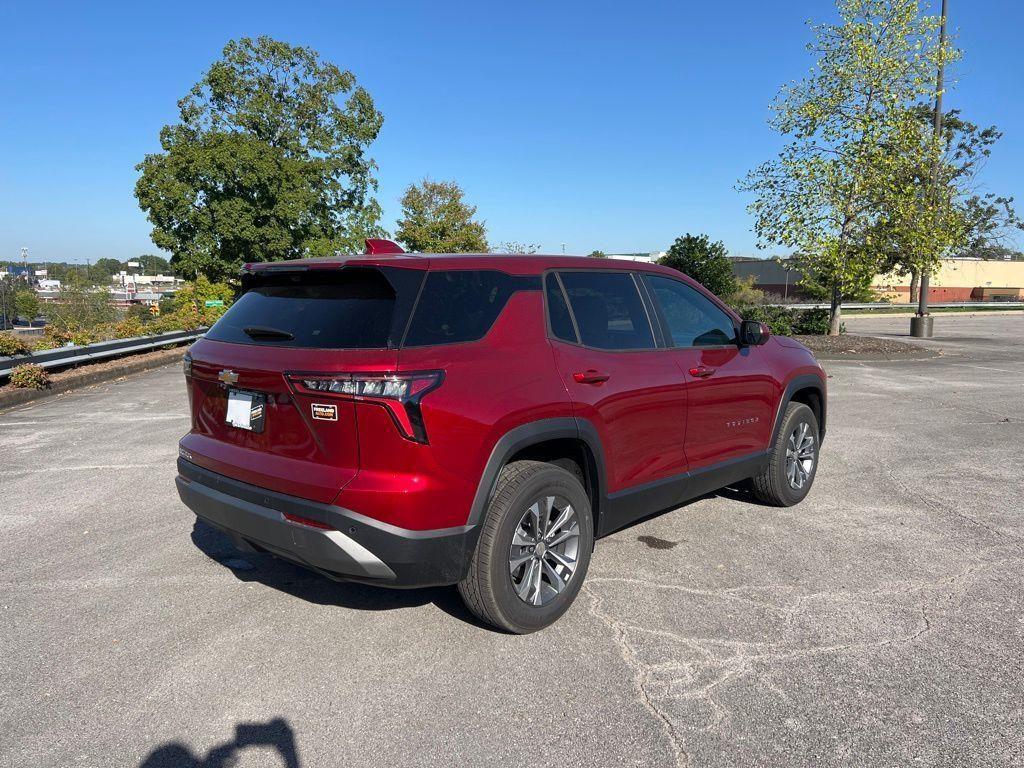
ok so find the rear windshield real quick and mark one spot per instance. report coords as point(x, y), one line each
point(367, 307)
point(351, 308)
point(461, 306)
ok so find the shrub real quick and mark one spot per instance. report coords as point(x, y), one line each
point(11, 345)
point(128, 328)
point(812, 322)
point(80, 308)
point(746, 294)
point(778, 319)
point(43, 343)
point(30, 376)
point(191, 298)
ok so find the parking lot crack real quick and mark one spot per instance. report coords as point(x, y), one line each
point(641, 675)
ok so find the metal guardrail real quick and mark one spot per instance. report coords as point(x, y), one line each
point(101, 350)
point(883, 306)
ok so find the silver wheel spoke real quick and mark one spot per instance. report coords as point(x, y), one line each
point(538, 583)
point(568, 562)
point(549, 503)
point(564, 536)
point(563, 518)
point(515, 562)
point(522, 539)
point(556, 581)
point(534, 512)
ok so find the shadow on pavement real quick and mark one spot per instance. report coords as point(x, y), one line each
point(320, 590)
point(276, 734)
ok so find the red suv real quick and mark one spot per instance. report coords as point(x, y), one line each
point(417, 419)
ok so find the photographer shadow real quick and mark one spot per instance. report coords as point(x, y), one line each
point(276, 734)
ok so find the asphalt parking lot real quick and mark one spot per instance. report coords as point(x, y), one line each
point(881, 622)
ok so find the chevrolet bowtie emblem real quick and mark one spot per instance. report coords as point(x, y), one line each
point(228, 376)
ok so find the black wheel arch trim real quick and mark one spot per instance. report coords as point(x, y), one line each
point(797, 383)
point(533, 433)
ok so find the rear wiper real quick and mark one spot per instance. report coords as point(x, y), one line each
point(263, 332)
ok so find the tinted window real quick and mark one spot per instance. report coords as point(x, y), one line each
point(351, 308)
point(608, 310)
point(558, 312)
point(693, 320)
point(461, 305)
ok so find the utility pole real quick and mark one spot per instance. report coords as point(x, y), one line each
point(921, 323)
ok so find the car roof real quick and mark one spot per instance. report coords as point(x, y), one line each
point(511, 263)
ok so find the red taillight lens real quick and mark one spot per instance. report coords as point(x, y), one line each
point(299, 520)
point(400, 393)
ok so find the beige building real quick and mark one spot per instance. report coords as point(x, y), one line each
point(955, 280)
point(961, 280)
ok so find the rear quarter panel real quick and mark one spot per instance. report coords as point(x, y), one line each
point(490, 387)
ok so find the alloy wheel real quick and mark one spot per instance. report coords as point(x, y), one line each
point(800, 455)
point(544, 552)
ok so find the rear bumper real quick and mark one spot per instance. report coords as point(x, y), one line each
point(354, 548)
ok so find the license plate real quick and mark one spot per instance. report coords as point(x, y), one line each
point(246, 410)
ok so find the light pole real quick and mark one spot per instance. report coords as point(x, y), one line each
point(921, 323)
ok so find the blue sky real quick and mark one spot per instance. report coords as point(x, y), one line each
point(599, 125)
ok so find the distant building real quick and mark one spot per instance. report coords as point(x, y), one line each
point(955, 280)
point(132, 288)
point(647, 257)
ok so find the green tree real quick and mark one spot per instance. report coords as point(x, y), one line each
point(78, 308)
point(266, 163)
point(597, 255)
point(944, 213)
point(436, 219)
point(840, 189)
point(513, 246)
point(704, 261)
point(26, 303)
point(101, 272)
point(154, 265)
point(8, 288)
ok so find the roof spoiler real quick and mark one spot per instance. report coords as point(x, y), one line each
point(376, 245)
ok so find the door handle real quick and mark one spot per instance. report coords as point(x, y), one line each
point(591, 377)
point(701, 371)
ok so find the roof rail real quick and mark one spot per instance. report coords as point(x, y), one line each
point(375, 245)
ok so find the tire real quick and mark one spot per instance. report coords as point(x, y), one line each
point(505, 596)
point(773, 485)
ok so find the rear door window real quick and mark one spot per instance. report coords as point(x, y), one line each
point(350, 308)
point(608, 309)
point(693, 320)
point(461, 305)
point(558, 311)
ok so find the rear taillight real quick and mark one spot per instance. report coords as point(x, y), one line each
point(399, 393)
point(186, 367)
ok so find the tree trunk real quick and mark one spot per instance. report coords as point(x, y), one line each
point(835, 317)
point(915, 281)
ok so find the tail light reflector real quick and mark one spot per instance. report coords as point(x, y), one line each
point(399, 393)
point(299, 520)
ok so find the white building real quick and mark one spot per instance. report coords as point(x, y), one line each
point(646, 257)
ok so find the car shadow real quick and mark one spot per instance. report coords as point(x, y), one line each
point(739, 492)
point(317, 589)
point(276, 734)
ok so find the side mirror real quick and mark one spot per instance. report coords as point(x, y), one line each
point(753, 334)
